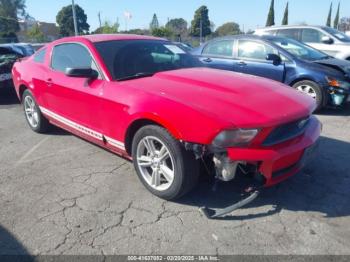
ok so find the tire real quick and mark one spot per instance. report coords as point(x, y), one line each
point(35, 119)
point(317, 92)
point(182, 163)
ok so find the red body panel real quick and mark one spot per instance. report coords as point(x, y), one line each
point(193, 104)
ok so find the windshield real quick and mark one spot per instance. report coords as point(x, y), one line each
point(141, 58)
point(299, 49)
point(337, 34)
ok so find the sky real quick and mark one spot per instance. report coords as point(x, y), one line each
point(248, 13)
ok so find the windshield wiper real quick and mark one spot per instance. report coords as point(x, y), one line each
point(138, 75)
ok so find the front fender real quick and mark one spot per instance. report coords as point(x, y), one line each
point(158, 120)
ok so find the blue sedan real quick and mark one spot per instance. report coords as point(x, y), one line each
point(304, 68)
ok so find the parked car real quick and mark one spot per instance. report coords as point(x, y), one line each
point(9, 53)
point(146, 99)
point(323, 38)
point(21, 48)
point(304, 68)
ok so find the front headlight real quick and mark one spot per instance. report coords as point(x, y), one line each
point(234, 138)
point(333, 82)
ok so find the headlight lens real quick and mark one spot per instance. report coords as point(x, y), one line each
point(234, 138)
point(333, 82)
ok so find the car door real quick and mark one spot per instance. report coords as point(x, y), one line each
point(251, 59)
point(313, 37)
point(218, 54)
point(73, 100)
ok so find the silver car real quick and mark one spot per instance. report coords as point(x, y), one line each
point(323, 38)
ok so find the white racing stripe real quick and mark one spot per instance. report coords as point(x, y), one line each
point(82, 129)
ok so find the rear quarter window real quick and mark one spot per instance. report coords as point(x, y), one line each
point(39, 57)
point(290, 33)
point(219, 48)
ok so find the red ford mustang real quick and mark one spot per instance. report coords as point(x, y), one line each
point(148, 100)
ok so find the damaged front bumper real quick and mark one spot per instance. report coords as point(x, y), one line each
point(279, 162)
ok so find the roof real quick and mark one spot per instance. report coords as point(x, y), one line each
point(111, 37)
point(289, 26)
point(230, 37)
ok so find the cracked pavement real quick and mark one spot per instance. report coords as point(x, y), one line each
point(62, 195)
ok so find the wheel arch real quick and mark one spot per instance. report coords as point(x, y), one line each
point(21, 90)
point(138, 123)
point(300, 79)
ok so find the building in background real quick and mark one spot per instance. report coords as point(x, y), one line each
point(50, 30)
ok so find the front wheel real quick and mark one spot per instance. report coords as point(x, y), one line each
point(162, 164)
point(313, 90)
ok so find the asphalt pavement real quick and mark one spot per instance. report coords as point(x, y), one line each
point(62, 195)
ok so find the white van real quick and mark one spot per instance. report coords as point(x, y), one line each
point(323, 38)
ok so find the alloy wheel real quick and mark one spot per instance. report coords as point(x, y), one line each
point(155, 163)
point(308, 90)
point(31, 111)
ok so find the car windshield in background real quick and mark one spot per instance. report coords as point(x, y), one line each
point(141, 58)
point(337, 34)
point(299, 50)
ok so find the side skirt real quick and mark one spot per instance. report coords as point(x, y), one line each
point(88, 134)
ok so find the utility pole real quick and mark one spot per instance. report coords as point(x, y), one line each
point(75, 19)
point(201, 31)
point(99, 18)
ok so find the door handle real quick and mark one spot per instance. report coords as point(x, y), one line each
point(207, 60)
point(49, 82)
point(242, 63)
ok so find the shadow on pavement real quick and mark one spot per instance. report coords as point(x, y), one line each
point(323, 186)
point(11, 249)
point(8, 96)
point(345, 111)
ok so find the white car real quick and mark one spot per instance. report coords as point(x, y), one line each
point(323, 38)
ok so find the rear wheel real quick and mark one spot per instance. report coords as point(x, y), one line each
point(162, 164)
point(34, 117)
point(313, 90)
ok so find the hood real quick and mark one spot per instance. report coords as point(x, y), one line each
point(341, 65)
point(242, 100)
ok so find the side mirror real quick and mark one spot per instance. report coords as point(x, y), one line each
point(327, 40)
point(276, 59)
point(88, 73)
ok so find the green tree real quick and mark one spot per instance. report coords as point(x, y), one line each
point(337, 17)
point(161, 32)
point(154, 23)
point(65, 21)
point(201, 14)
point(271, 16)
point(230, 28)
point(344, 24)
point(286, 15)
point(178, 26)
point(107, 28)
point(329, 18)
point(10, 10)
point(36, 35)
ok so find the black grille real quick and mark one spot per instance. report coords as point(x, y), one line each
point(286, 132)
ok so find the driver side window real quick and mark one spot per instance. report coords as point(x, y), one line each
point(311, 36)
point(71, 56)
